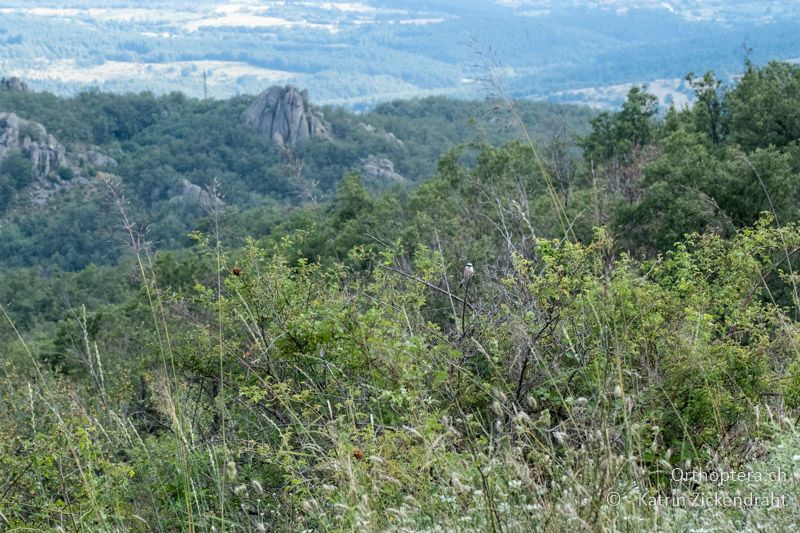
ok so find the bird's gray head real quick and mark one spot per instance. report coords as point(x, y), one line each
point(468, 265)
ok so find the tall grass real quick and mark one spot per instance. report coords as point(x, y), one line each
point(275, 393)
point(339, 404)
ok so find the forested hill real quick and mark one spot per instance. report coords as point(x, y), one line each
point(289, 340)
point(163, 153)
point(156, 145)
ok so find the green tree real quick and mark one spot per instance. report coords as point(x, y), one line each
point(619, 145)
point(18, 167)
point(763, 106)
point(709, 108)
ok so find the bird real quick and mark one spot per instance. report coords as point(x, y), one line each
point(469, 271)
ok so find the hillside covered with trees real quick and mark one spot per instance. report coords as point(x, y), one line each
point(203, 330)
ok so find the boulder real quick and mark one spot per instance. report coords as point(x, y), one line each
point(95, 158)
point(192, 193)
point(380, 169)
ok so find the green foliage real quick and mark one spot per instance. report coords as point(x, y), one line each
point(713, 167)
point(302, 384)
point(18, 168)
point(614, 136)
point(80, 230)
point(160, 143)
point(7, 190)
point(331, 373)
point(709, 109)
point(762, 106)
point(66, 173)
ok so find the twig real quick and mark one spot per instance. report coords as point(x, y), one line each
point(444, 274)
point(429, 285)
point(14, 481)
point(464, 307)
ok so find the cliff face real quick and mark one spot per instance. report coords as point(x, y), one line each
point(284, 115)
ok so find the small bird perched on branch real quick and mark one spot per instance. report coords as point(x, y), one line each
point(468, 273)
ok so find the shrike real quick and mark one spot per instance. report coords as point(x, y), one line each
point(468, 273)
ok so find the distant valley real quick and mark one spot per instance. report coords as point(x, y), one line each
point(357, 54)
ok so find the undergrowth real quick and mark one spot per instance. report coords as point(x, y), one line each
point(282, 394)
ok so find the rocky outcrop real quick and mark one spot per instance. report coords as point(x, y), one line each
point(389, 136)
point(192, 193)
point(31, 138)
point(284, 115)
point(95, 158)
point(13, 84)
point(54, 168)
point(380, 169)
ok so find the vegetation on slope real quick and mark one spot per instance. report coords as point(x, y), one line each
point(633, 314)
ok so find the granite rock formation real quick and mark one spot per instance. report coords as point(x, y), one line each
point(284, 115)
point(54, 168)
point(32, 139)
point(13, 84)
